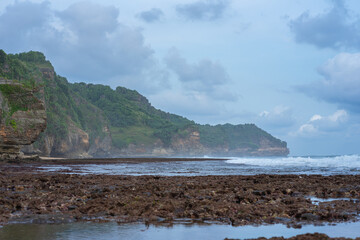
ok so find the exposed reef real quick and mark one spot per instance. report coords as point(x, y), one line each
point(235, 200)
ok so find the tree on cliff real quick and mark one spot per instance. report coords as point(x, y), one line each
point(2, 57)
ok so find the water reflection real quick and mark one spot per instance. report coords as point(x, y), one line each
point(316, 200)
point(137, 231)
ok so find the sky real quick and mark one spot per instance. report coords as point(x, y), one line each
point(290, 67)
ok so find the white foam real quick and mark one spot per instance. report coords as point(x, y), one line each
point(345, 161)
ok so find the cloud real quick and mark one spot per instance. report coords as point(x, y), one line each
point(85, 42)
point(150, 81)
point(333, 29)
point(203, 10)
point(205, 76)
point(279, 117)
point(152, 15)
point(307, 130)
point(21, 23)
point(187, 103)
point(318, 124)
point(340, 83)
point(89, 19)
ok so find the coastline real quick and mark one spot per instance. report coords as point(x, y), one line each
point(127, 160)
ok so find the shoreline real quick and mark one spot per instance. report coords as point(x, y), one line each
point(128, 160)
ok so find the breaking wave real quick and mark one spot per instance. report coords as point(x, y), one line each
point(340, 162)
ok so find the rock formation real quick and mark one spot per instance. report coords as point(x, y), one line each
point(22, 118)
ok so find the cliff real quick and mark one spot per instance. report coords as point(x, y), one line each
point(22, 118)
point(87, 120)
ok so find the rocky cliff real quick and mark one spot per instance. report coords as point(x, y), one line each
point(191, 145)
point(87, 120)
point(22, 118)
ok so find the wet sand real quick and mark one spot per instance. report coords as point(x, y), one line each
point(28, 195)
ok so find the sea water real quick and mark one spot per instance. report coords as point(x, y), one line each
point(137, 231)
point(329, 165)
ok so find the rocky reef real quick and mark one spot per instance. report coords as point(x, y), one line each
point(22, 118)
point(235, 200)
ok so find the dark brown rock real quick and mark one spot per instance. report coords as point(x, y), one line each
point(130, 198)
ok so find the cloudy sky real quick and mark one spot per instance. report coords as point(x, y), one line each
point(291, 67)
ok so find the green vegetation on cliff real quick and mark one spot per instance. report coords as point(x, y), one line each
point(62, 105)
point(124, 115)
point(15, 103)
point(132, 118)
point(235, 136)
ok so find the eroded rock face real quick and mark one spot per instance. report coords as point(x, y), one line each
point(22, 118)
point(190, 145)
point(75, 145)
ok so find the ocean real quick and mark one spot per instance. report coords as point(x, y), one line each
point(323, 165)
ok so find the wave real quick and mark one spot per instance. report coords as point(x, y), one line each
point(344, 161)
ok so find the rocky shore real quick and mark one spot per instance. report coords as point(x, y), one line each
point(235, 200)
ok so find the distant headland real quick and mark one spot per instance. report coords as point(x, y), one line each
point(87, 120)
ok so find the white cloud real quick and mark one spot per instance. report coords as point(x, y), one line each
point(339, 116)
point(307, 129)
point(323, 124)
point(279, 117)
point(333, 29)
point(315, 117)
point(187, 103)
point(340, 84)
point(203, 78)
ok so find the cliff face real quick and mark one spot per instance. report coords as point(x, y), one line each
point(191, 145)
point(76, 129)
point(22, 118)
point(87, 120)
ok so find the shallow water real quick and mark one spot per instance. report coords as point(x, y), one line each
point(77, 231)
point(347, 165)
point(316, 201)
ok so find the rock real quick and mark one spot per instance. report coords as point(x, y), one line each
point(259, 193)
point(72, 207)
point(145, 198)
point(22, 118)
point(309, 217)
